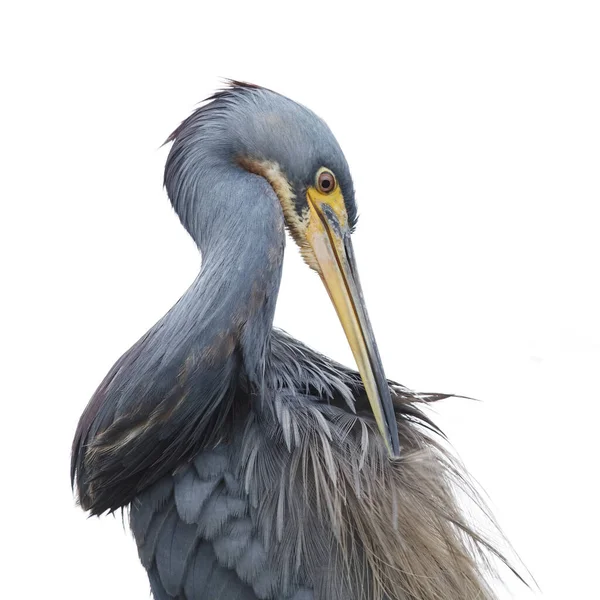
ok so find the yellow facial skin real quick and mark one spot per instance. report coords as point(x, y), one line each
point(327, 234)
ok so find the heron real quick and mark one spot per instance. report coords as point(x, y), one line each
point(253, 467)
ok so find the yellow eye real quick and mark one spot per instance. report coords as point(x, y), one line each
point(326, 182)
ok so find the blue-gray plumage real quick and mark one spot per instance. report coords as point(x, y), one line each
point(254, 467)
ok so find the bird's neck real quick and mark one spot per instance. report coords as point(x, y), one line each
point(236, 219)
point(231, 304)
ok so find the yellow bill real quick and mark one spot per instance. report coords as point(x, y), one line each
point(329, 237)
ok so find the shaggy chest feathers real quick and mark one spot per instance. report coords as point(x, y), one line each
point(299, 500)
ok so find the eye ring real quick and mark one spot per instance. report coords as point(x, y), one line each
point(326, 182)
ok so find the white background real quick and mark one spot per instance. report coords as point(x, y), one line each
point(473, 134)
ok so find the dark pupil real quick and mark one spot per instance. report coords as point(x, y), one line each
point(326, 183)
